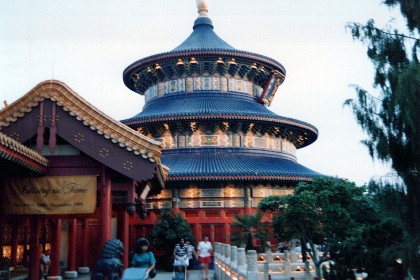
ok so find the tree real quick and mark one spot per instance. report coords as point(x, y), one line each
point(391, 119)
point(327, 211)
point(391, 198)
point(168, 230)
point(248, 228)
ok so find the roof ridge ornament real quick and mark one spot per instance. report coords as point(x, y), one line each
point(203, 8)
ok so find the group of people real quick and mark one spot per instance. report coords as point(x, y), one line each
point(184, 255)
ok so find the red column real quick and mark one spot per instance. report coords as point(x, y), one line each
point(133, 235)
point(197, 229)
point(14, 242)
point(55, 248)
point(227, 232)
point(34, 253)
point(123, 235)
point(85, 244)
point(106, 207)
point(2, 221)
point(201, 218)
point(26, 242)
point(71, 257)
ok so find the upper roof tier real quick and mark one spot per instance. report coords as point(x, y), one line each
point(204, 53)
point(203, 37)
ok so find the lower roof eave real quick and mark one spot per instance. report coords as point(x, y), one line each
point(241, 178)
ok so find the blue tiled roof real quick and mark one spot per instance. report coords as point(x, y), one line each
point(233, 164)
point(203, 37)
point(204, 45)
point(208, 105)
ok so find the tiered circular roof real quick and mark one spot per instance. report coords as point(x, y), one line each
point(164, 79)
point(226, 164)
point(218, 106)
point(202, 53)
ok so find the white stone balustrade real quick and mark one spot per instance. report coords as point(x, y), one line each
point(232, 262)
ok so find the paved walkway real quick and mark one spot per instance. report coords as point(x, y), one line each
point(164, 275)
point(161, 275)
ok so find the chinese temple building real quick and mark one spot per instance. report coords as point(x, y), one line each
point(207, 102)
point(69, 177)
point(205, 145)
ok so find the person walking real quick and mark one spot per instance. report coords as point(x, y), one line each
point(181, 259)
point(191, 255)
point(204, 254)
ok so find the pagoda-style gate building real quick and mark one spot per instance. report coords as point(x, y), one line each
point(69, 177)
point(207, 103)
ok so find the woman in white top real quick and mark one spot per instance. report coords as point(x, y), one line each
point(204, 254)
point(181, 256)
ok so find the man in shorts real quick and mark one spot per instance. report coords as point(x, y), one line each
point(204, 249)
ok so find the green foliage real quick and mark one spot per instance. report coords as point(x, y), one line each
point(383, 244)
point(391, 119)
point(327, 211)
point(338, 272)
point(247, 228)
point(410, 10)
point(168, 230)
point(391, 198)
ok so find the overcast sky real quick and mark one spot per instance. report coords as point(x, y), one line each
point(88, 43)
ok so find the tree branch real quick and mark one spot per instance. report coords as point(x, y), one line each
point(396, 34)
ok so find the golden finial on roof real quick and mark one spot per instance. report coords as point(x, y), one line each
point(203, 8)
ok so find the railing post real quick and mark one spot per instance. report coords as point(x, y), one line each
point(216, 260)
point(228, 269)
point(287, 268)
point(234, 255)
point(293, 257)
point(227, 253)
point(268, 253)
point(252, 266)
point(234, 260)
point(222, 263)
point(308, 275)
point(266, 268)
point(241, 259)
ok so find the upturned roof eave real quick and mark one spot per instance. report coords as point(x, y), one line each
point(175, 54)
point(269, 121)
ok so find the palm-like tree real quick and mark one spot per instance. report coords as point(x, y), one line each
point(248, 228)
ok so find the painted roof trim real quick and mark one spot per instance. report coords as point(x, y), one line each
point(14, 151)
point(84, 112)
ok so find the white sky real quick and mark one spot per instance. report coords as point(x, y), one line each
point(88, 43)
